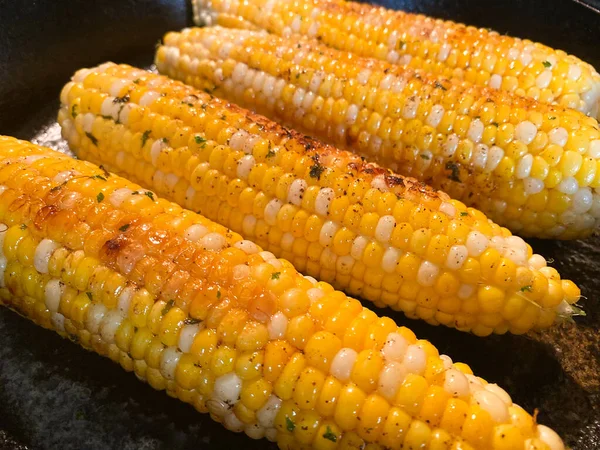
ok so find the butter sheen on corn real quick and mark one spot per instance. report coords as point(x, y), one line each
point(531, 167)
point(196, 311)
point(374, 234)
point(476, 55)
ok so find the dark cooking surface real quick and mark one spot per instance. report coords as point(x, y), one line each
point(53, 395)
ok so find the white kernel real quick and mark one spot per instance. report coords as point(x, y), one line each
point(574, 72)
point(64, 94)
point(448, 209)
point(109, 325)
point(323, 200)
point(315, 81)
point(118, 196)
point(244, 166)
point(415, 359)
point(213, 241)
point(390, 259)
point(465, 291)
point(495, 155)
point(384, 229)
point(449, 147)
point(582, 200)
point(537, 261)
point(358, 247)
point(390, 378)
point(456, 257)
point(80, 75)
point(363, 76)
point(314, 294)
point(157, 147)
point(296, 191)
point(394, 348)
point(533, 186)
point(525, 132)
point(543, 80)
point(237, 140)
point(43, 252)
point(501, 393)
point(233, 423)
point(195, 232)
point(327, 233)
point(187, 336)
point(94, 316)
point(409, 111)
point(277, 326)
point(525, 58)
point(568, 186)
point(217, 407)
point(379, 182)
point(124, 300)
point(480, 155)
point(475, 131)
point(474, 383)
point(427, 273)
point(550, 438)
point(524, 165)
point(444, 52)
point(271, 211)
point(228, 388)
point(239, 73)
point(351, 114)
point(447, 361)
point(477, 243)
point(491, 403)
point(456, 383)
point(58, 322)
point(87, 122)
point(248, 247)
point(298, 97)
point(342, 364)
point(240, 272)
point(267, 413)
point(594, 149)
point(558, 136)
point(495, 81)
point(52, 291)
point(435, 116)
point(148, 98)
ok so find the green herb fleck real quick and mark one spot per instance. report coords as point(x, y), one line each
point(168, 307)
point(552, 118)
point(526, 288)
point(79, 415)
point(289, 424)
point(107, 117)
point(150, 195)
point(439, 85)
point(316, 171)
point(275, 275)
point(136, 81)
point(92, 138)
point(496, 124)
point(330, 435)
point(454, 171)
point(223, 117)
point(165, 140)
point(550, 261)
point(124, 227)
point(100, 197)
point(74, 111)
point(270, 153)
point(89, 295)
point(98, 177)
point(200, 141)
point(23, 226)
point(547, 64)
point(145, 136)
point(464, 213)
point(401, 44)
point(218, 294)
point(424, 156)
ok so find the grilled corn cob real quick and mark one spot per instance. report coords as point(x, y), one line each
point(529, 166)
point(195, 310)
point(383, 237)
point(479, 56)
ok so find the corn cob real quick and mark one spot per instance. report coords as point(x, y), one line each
point(479, 56)
point(529, 166)
point(193, 309)
point(377, 235)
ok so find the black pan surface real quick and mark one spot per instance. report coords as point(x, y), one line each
point(54, 395)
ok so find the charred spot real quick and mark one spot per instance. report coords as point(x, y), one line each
point(115, 244)
point(394, 180)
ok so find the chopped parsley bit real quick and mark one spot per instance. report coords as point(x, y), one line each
point(330, 435)
point(440, 86)
point(23, 226)
point(168, 307)
point(200, 140)
point(191, 105)
point(145, 136)
point(218, 294)
point(98, 177)
point(464, 213)
point(289, 424)
point(552, 118)
point(316, 171)
point(401, 44)
point(107, 117)
point(165, 140)
point(123, 99)
point(106, 172)
point(223, 117)
point(547, 64)
point(550, 261)
point(275, 275)
point(191, 321)
point(526, 288)
point(89, 294)
point(100, 197)
point(423, 156)
point(455, 172)
point(495, 124)
point(92, 138)
point(136, 81)
point(150, 195)
point(74, 111)
point(270, 153)
point(124, 227)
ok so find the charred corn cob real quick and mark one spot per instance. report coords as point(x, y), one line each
point(479, 56)
point(532, 167)
point(383, 237)
point(193, 309)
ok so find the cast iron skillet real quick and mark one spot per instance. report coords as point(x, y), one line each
point(55, 395)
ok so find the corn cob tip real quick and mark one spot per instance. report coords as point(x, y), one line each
point(193, 309)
